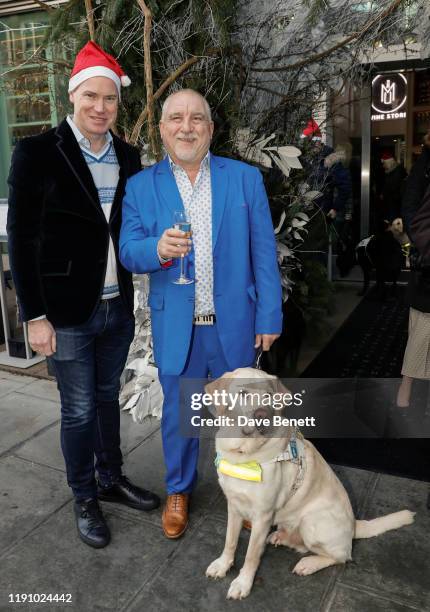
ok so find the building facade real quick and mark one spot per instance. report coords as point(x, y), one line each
point(390, 113)
point(31, 90)
point(388, 116)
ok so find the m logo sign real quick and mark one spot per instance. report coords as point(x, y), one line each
point(389, 92)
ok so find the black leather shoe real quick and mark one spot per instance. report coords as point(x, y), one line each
point(91, 524)
point(122, 491)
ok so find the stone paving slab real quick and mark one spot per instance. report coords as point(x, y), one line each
point(53, 560)
point(133, 434)
point(28, 495)
point(347, 599)
point(8, 385)
point(45, 389)
point(22, 416)
point(16, 377)
point(182, 585)
point(45, 448)
point(395, 563)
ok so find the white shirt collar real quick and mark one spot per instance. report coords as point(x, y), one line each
point(205, 163)
point(83, 141)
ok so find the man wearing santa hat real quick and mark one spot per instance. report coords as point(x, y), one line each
point(327, 173)
point(66, 189)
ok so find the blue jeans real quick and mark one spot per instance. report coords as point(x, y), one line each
point(88, 364)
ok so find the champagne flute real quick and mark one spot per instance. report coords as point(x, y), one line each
point(182, 222)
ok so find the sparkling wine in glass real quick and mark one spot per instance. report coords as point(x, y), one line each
point(182, 222)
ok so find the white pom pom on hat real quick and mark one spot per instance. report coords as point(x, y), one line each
point(92, 61)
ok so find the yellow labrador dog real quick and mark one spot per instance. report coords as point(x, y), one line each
point(280, 481)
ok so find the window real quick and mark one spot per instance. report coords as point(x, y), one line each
point(32, 92)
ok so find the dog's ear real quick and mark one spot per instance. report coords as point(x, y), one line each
point(278, 387)
point(282, 393)
point(220, 384)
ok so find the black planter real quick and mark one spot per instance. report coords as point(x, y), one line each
point(17, 348)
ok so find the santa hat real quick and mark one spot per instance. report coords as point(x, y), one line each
point(92, 61)
point(312, 131)
point(386, 155)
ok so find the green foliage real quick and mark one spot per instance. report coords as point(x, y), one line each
point(182, 29)
point(63, 23)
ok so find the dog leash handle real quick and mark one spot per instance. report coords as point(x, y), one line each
point(257, 362)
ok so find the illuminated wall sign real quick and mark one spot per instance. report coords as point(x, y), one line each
point(389, 93)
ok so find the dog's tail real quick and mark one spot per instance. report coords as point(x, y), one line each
point(370, 529)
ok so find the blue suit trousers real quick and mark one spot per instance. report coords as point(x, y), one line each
point(205, 357)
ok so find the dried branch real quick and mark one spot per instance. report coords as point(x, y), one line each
point(170, 79)
point(152, 133)
point(90, 18)
point(56, 62)
point(285, 98)
point(320, 56)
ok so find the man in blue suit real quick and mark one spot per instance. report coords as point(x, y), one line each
point(234, 306)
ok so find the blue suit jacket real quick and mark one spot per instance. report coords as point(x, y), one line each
point(247, 289)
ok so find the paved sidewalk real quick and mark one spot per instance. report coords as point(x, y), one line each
point(143, 571)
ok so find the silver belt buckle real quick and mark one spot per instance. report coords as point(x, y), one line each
point(204, 320)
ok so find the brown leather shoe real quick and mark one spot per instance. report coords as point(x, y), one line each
point(175, 515)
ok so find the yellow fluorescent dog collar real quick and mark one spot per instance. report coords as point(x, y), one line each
point(245, 471)
point(252, 470)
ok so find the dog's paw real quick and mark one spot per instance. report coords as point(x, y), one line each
point(313, 563)
point(218, 568)
point(277, 537)
point(304, 567)
point(239, 588)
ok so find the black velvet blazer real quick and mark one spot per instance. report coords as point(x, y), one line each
point(58, 234)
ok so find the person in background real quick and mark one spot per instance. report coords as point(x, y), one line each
point(66, 189)
point(326, 173)
point(416, 198)
point(392, 188)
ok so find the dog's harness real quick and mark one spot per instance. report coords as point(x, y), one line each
point(253, 471)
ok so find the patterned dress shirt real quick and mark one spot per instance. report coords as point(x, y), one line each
point(197, 200)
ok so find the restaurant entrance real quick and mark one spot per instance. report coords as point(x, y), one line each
point(384, 124)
